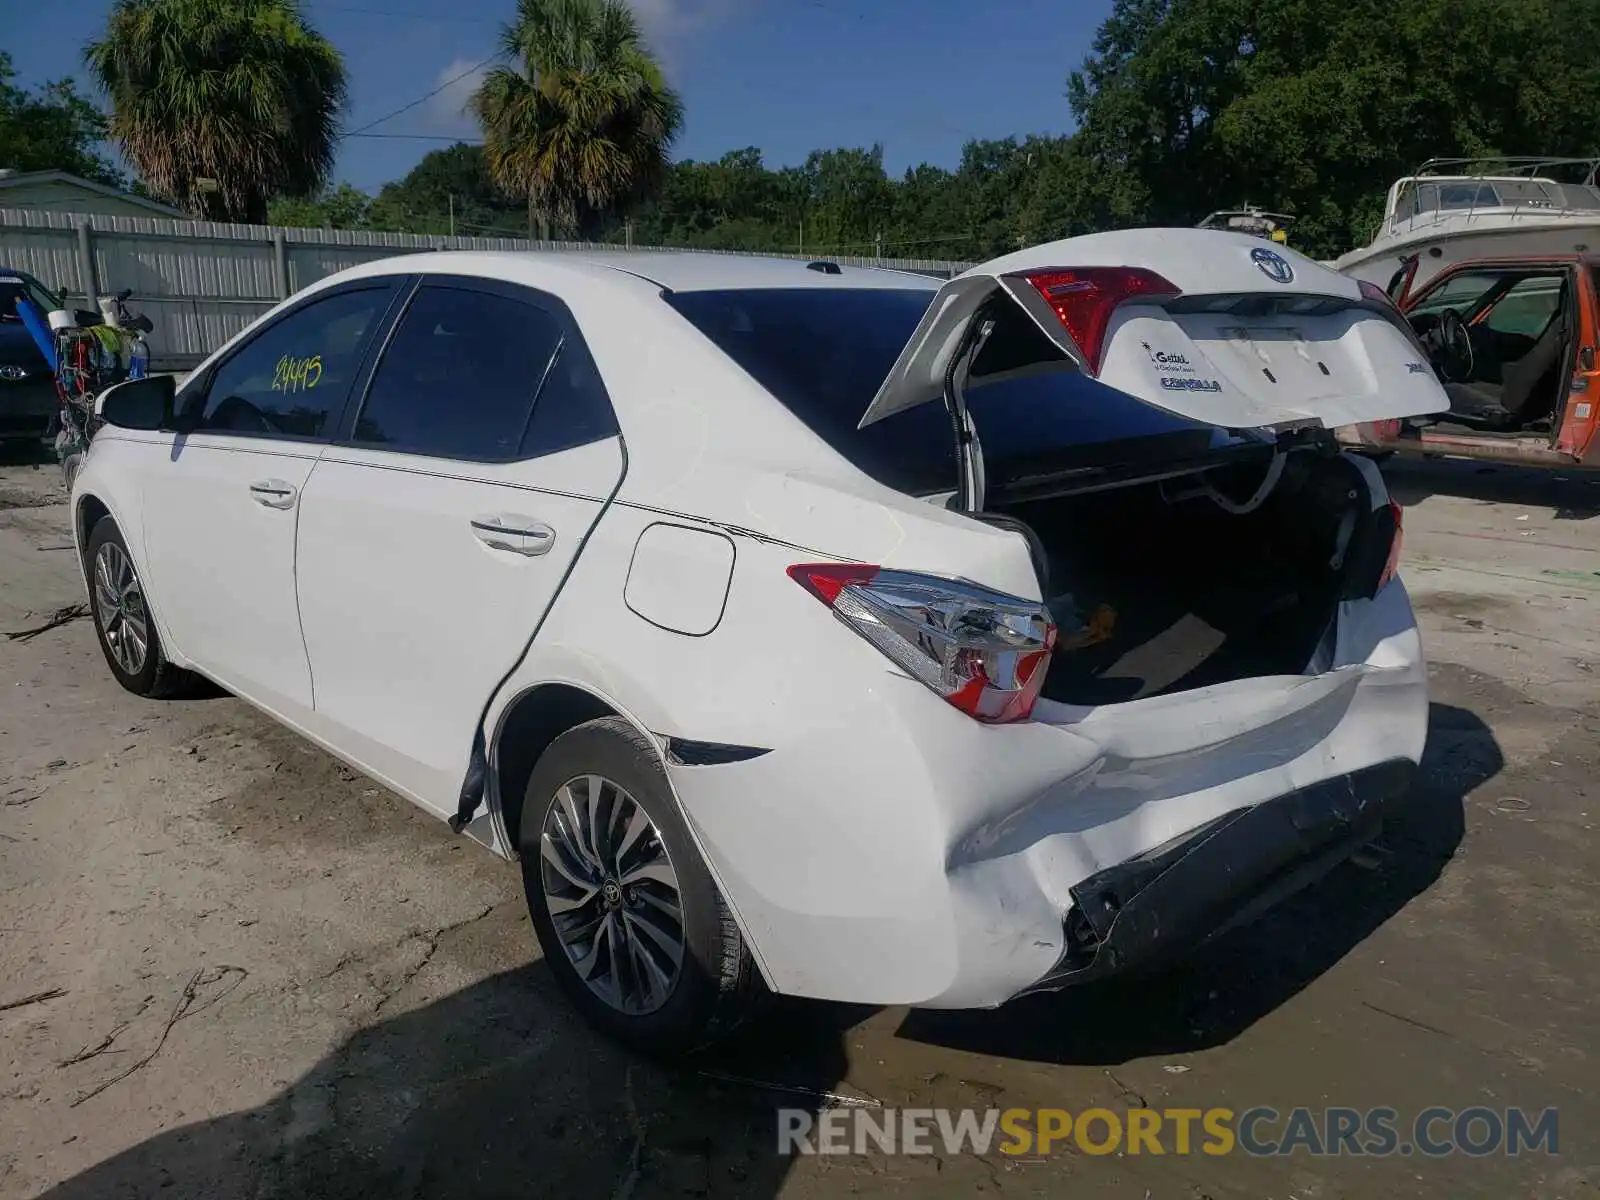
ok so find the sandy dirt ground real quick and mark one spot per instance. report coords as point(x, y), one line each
point(264, 977)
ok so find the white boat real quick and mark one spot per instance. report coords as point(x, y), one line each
point(1250, 219)
point(1455, 209)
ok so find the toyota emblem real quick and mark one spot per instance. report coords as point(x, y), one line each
point(1272, 264)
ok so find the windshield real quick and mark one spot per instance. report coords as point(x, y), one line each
point(824, 352)
point(14, 288)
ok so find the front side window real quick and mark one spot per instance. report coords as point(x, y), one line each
point(292, 379)
point(1461, 292)
point(1528, 306)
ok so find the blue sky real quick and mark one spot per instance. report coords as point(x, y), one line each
point(789, 76)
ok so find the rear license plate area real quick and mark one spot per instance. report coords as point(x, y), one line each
point(1282, 357)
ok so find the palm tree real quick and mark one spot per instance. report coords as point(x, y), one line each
point(221, 104)
point(581, 125)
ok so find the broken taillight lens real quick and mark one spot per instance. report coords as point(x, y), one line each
point(985, 652)
point(1083, 299)
point(1392, 566)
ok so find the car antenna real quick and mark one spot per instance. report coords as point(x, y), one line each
point(826, 268)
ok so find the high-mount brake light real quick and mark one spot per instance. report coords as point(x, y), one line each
point(985, 652)
point(1083, 299)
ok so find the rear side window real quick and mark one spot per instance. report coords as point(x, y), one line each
point(292, 379)
point(479, 375)
point(459, 375)
point(823, 353)
point(573, 408)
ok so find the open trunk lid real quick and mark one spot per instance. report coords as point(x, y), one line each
point(1218, 327)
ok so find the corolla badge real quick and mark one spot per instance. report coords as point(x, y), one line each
point(1272, 264)
point(11, 372)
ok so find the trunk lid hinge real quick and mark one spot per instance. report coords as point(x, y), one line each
point(969, 450)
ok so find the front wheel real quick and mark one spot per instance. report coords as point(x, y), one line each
point(122, 620)
point(629, 919)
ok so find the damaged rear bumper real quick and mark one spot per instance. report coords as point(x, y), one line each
point(897, 852)
point(1160, 904)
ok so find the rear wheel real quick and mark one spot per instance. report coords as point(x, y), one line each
point(122, 619)
point(630, 921)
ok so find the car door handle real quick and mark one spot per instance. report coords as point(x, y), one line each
point(514, 534)
point(273, 493)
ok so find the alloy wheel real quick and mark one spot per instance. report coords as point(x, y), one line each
point(119, 608)
point(612, 894)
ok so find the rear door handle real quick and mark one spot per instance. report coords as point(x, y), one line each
point(273, 493)
point(514, 534)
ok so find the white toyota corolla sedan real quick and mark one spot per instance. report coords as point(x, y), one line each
point(805, 629)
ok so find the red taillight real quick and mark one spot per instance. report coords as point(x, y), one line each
point(985, 652)
point(826, 580)
point(1392, 566)
point(1083, 299)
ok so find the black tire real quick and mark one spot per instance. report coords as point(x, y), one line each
point(717, 986)
point(155, 677)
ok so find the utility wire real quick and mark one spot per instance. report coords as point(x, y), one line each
point(478, 66)
point(419, 137)
point(441, 19)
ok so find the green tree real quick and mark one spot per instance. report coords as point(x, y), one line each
point(449, 188)
point(52, 129)
point(582, 124)
point(221, 104)
point(342, 207)
point(1316, 106)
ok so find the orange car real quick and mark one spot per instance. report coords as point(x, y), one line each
point(1514, 342)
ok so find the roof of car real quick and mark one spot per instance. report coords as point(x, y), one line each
point(678, 271)
point(690, 272)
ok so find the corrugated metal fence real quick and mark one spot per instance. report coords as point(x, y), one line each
point(200, 282)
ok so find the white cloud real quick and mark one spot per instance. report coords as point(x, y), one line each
point(445, 113)
point(669, 24)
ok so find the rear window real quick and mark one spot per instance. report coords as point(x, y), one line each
point(823, 353)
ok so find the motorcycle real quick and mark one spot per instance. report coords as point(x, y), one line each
point(92, 352)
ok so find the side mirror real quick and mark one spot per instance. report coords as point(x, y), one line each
point(139, 403)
